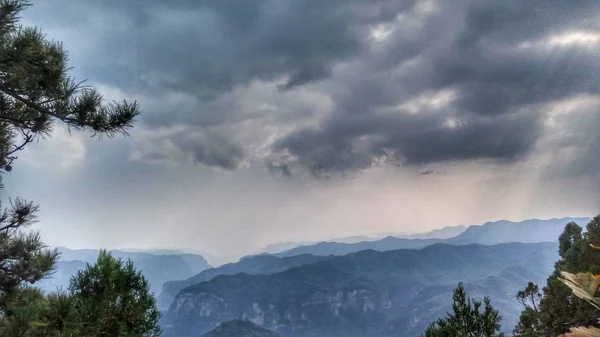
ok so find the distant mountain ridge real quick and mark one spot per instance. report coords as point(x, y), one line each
point(490, 232)
point(211, 259)
point(157, 268)
point(368, 293)
point(440, 233)
point(528, 231)
point(336, 248)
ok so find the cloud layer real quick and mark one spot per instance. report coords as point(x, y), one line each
point(344, 85)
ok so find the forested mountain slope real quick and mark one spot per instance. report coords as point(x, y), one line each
point(368, 293)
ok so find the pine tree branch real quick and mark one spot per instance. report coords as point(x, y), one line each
point(12, 225)
point(16, 122)
point(89, 112)
point(33, 105)
point(21, 213)
point(28, 138)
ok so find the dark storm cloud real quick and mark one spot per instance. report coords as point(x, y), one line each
point(353, 142)
point(491, 54)
point(492, 59)
point(209, 46)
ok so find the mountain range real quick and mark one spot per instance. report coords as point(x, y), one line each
point(258, 264)
point(490, 233)
point(440, 233)
point(393, 286)
point(368, 293)
point(268, 264)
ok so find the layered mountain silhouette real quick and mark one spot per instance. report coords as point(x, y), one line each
point(268, 264)
point(440, 233)
point(490, 233)
point(368, 293)
point(393, 286)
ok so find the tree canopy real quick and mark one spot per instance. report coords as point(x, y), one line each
point(467, 319)
point(110, 298)
point(553, 311)
point(35, 93)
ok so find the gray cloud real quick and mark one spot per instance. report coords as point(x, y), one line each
point(207, 47)
point(574, 141)
point(354, 142)
point(452, 81)
point(217, 152)
point(206, 147)
point(497, 60)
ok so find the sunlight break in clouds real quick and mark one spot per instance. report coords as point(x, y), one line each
point(575, 38)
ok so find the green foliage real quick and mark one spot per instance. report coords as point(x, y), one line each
point(25, 307)
point(35, 93)
point(467, 320)
point(35, 90)
point(33, 314)
point(530, 296)
point(108, 299)
point(113, 299)
point(24, 259)
point(559, 308)
point(529, 323)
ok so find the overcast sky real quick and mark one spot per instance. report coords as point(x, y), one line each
point(285, 120)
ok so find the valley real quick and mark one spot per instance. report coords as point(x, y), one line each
point(392, 286)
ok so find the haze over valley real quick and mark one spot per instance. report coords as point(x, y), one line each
point(352, 287)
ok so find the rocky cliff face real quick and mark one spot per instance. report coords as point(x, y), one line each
point(300, 301)
point(283, 316)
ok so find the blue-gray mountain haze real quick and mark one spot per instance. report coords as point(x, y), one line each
point(392, 286)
